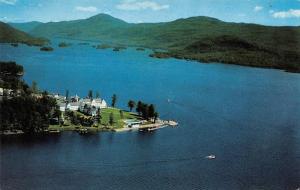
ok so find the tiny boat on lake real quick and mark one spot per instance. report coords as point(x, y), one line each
point(210, 157)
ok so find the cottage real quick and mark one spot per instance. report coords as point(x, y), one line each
point(99, 103)
point(73, 106)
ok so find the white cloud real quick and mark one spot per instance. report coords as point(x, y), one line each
point(258, 8)
point(9, 2)
point(86, 9)
point(292, 13)
point(133, 5)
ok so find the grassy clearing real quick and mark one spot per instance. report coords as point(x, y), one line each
point(103, 126)
point(118, 123)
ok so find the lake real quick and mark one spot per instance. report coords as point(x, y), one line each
point(248, 117)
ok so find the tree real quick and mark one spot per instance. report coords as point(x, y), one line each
point(90, 94)
point(121, 114)
point(131, 104)
point(113, 100)
point(67, 95)
point(97, 94)
point(34, 87)
point(111, 118)
point(139, 107)
point(99, 117)
point(29, 113)
point(57, 114)
point(45, 93)
point(156, 115)
point(145, 111)
point(151, 111)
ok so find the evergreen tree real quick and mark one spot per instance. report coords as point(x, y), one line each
point(139, 107)
point(97, 94)
point(99, 117)
point(145, 111)
point(67, 95)
point(111, 118)
point(131, 104)
point(121, 114)
point(57, 114)
point(151, 111)
point(34, 87)
point(155, 116)
point(90, 94)
point(113, 100)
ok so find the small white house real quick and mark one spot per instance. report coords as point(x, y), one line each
point(99, 103)
point(73, 106)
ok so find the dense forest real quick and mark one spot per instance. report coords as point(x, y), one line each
point(22, 107)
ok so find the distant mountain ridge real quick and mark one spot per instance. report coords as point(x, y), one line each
point(198, 38)
point(9, 34)
point(26, 26)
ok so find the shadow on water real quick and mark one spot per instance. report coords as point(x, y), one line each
point(27, 140)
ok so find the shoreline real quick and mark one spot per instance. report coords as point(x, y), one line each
point(53, 129)
point(167, 55)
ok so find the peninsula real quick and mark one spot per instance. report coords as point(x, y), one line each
point(26, 109)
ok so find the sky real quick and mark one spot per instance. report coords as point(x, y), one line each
point(266, 12)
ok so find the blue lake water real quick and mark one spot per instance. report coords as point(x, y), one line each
point(248, 117)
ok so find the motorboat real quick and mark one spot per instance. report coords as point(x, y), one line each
point(210, 157)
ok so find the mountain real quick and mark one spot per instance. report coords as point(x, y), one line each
point(198, 38)
point(25, 27)
point(97, 27)
point(9, 34)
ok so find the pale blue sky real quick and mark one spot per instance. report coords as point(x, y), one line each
point(268, 12)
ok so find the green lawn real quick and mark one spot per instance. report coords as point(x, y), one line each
point(105, 113)
point(118, 123)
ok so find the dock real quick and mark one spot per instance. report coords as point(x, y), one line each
point(158, 125)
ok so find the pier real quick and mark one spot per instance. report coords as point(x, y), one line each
point(157, 125)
